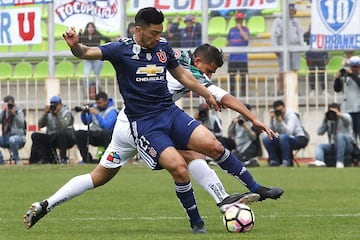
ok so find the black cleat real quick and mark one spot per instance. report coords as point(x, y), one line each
point(269, 192)
point(198, 228)
point(245, 198)
point(35, 213)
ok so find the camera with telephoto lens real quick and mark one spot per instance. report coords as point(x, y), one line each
point(331, 116)
point(84, 108)
point(53, 107)
point(10, 106)
point(343, 72)
point(278, 113)
point(240, 121)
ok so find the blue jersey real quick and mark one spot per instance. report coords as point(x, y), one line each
point(141, 76)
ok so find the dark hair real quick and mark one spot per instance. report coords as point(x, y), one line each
point(278, 103)
point(86, 32)
point(9, 98)
point(147, 16)
point(334, 105)
point(102, 95)
point(209, 54)
point(130, 25)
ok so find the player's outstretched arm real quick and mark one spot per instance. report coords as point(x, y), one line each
point(229, 101)
point(79, 50)
point(188, 80)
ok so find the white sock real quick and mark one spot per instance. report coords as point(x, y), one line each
point(74, 187)
point(207, 179)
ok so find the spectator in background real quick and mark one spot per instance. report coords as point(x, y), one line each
point(190, 36)
point(291, 135)
point(347, 80)
point(92, 37)
point(13, 128)
point(130, 29)
point(213, 123)
point(100, 118)
point(58, 121)
point(316, 60)
point(247, 141)
point(172, 34)
point(339, 131)
point(295, 35)
point(238, 36)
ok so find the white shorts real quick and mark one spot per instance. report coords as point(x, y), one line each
point(122, 147)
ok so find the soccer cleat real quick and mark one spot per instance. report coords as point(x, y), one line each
point(269, 192)
point(198, 228)
point(35, 213)
point(245, 198)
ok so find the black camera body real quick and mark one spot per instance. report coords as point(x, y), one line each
point(10, 106)
point(203, 115)
point(240, 121)
point(278, 113)
point(84, 108)
point(53, 107)
point(343, 72)
point(331, 116)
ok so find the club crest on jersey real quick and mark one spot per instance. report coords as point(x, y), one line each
point(150, 70)
point(162, 56)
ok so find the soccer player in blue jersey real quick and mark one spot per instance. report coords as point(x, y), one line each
point(150, 112)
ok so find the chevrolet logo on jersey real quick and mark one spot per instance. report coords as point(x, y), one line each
point(150, 70)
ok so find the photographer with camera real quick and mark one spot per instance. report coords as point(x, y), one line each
point(13, 128)
point(247, 141)
point(291, 135)
point(58, 121)
point(100, 118)
point(347, 80)
point(213, 123)
point(340, 135)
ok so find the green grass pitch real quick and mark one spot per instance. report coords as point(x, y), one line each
point(318, 203)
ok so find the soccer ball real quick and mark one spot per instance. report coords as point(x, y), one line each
point(239, 218)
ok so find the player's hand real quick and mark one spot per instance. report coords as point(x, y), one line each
point(263, 128)
point(213, 104)
point(71, 37)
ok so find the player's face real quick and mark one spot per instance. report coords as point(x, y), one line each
point(206, 68)
point(148, 37)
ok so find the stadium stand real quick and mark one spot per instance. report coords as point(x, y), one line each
point(335, 63)
point(19, 48)
point(6, 70)
point(107, 70)
point(64, 69)
point(217, 26)
point(256, 25)
point(219, 42)
point(23, 70)
point(80, 69)
point(41, 70)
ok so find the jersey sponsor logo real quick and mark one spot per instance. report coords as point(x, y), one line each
point(151, 71)
point(113, 157)
point(162, 56)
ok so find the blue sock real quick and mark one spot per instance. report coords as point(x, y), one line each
point(185, 193)
point(228, 162)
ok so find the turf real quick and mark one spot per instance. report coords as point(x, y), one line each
point(318, 203)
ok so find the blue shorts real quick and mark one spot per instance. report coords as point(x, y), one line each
point(171, 128)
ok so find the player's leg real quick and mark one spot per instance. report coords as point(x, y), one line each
point(202, 140)
point(172, 161)
point(109, 165)
point(210, 182)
